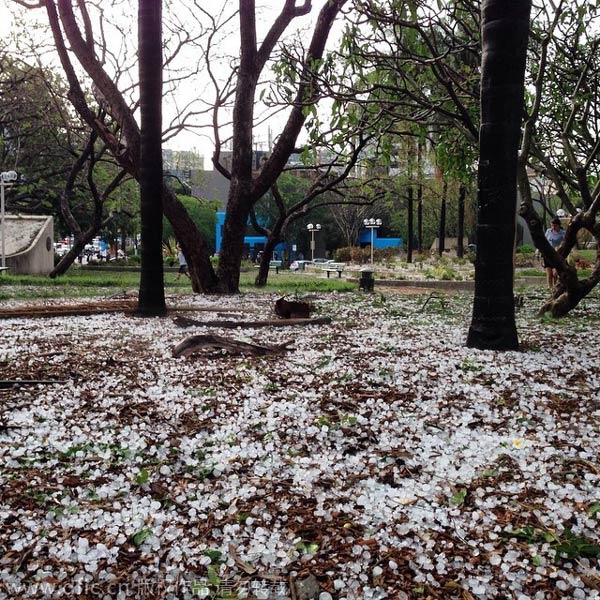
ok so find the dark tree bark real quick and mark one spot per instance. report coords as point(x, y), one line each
point(267, 255)
point(505, 30)
point(420, 198)
point(245, 189)
point(72, 33)
point(570, 290)
point(568, 155)
point(442, 229)
point(88, 158)
point(460, 242)
point(410, 206)
point(410, 225)
point(152, 291)
point(125, 150)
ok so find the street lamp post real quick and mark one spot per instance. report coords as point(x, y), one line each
point(313, 229)
point(6, 179)
point(372, 224)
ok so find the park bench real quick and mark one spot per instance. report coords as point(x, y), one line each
point(333, 268)
point(275, 264)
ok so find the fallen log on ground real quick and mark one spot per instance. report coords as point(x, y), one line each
point(96, 308)
point(187, 322)
point(9, 383)
point(195, 343)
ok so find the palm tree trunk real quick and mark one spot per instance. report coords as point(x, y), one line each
point(152, 291)
point(505, 30)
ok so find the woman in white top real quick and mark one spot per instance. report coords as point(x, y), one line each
point(183, 266)
point(555, 236)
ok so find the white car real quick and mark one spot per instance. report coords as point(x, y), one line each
point(60, 249)
point(298, 265)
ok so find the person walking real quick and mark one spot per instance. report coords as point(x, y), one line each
point(183, 266)
point(555, 236)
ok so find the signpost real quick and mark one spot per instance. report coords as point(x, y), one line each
point(372, 224)
point(313, 229)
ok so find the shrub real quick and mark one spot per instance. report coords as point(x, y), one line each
point(363, 255)
point(525, 249)
point(525, 260)
point(443, 272)
point(343, 254)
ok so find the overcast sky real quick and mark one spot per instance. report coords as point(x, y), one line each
point(187, 90)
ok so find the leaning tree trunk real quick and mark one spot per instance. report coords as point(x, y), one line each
point(265, 260)
point(570, 290)
point(152, 290)
point(505, 29)
point(193, 244)
point(70, 257)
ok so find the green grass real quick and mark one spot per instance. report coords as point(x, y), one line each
point(588, 254)
point(79, 282)
point(531, 273)
point(287, 282)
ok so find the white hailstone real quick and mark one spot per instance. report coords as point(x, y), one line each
point(377, 571)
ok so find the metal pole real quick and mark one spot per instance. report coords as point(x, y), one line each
point(2, 222)
point(372, 230)
point(312, 244)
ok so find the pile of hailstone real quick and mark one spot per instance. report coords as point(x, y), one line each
point(377, 458)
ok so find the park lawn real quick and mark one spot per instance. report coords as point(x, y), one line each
point(84, 283)
point(376, 458)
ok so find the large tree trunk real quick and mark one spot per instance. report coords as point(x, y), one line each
point(505, 30)
point(152, 291)
point(232, 247)
point(128, 157)
point(245, 190)
point(420, 197)
point(241, 198)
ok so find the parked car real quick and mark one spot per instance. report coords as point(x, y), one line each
point(60, 249)
point(298, 265)
point(321, 261)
